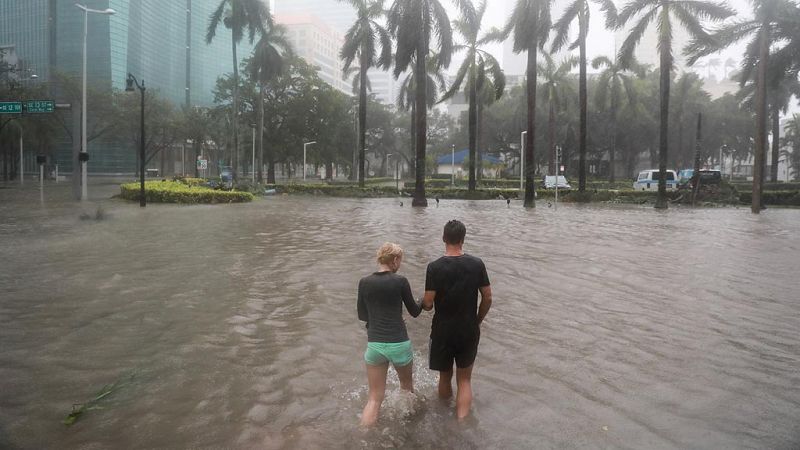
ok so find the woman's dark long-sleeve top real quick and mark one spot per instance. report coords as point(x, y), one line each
point(380, 303)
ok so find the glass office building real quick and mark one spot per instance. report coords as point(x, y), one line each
point(161, 42)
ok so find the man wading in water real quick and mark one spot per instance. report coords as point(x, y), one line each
point(452, 283)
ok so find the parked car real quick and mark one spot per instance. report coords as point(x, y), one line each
point(549, 182)
point(648, 180)
point(227, 177)
point(708, 177)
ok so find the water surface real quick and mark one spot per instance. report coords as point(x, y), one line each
point(612, 326)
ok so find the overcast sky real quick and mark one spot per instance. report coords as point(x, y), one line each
point(600, 40)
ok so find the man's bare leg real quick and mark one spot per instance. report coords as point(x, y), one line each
point(406, 376)
point(464, 395)
point(376, 376)
point(445, 384)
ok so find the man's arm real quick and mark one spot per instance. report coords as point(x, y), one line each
point(486, 302)
point(427, 300)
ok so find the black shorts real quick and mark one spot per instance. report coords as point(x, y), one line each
point(461, 347)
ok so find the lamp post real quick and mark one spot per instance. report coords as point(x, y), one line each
point(84, 149)
point(453, 165)
point(129, 83)
point(254, 154)
point(522, 160)
point(305, 146)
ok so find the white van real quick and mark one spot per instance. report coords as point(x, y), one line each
point(648, 180)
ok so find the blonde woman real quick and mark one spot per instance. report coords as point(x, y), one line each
point(381, 297)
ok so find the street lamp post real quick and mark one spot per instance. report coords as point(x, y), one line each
point(129, 83)
point(305, 146)
point(254, 155)
point(522, 160)
point(84, 149)
point(453, 165)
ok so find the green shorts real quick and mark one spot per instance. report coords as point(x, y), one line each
point(398, 353)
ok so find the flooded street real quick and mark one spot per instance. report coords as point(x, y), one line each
point(235, 325)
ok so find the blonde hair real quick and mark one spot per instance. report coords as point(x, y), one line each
point(388, 252)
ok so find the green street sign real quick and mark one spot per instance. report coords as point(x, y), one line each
point(10, 107)
point(40, 106)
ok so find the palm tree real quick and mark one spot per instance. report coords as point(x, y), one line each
point(774, 21)
point(792, 139)
point(579, 9)
point(530, 22)
point(489, 93)
point(665, 13)
point(688, 92)
point(557, 80)
point(614, 78)
point(414, 23)
point(267, 64)
point(406, 96)
point(239, 16)
point(779, 95)
point(361, 43)
point(477, 65)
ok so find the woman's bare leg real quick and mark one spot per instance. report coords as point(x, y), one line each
point(406, 376)
point(376, 376)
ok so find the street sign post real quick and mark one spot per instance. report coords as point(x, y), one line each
point(40, 106)
point(10, 107)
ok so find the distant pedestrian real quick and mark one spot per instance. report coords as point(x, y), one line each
point(452, 284)
point(381, 297)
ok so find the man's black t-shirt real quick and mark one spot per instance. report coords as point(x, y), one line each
point(456, 280)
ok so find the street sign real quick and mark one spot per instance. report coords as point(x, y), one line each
point(202, 164)
point(40, 106)
point(10, 107)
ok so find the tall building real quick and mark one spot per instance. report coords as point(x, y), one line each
point(334, 13)
point(161, 42)
point(340, 16)
point(318, 44)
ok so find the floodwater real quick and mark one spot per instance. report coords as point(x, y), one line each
point(234, 326)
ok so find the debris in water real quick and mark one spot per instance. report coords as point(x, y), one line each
point(79, 408)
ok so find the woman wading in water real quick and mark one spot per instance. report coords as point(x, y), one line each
point(380, 303)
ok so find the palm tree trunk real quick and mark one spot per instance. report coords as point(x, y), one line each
point(420, 81)
point(362, 122)
point(235, 114)
point(583, 107)
point(473, 124)
point(613, 149)
point(776, 144)
point(551, 139)
point(761, 116)
point(530, 188)
point(260, 134)
point(666, 67)
point(479, 162)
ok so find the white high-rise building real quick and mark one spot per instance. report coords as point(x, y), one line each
point(339, 16)
point(318, 44)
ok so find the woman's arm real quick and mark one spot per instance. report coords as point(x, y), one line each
point(412, 306)
point(362, 305)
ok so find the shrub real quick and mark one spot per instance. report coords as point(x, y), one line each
point(178, 192)
point(779, 198)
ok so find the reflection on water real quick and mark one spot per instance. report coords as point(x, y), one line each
point(618, 327)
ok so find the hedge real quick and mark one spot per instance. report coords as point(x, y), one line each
point(335, 190)
point(779, 198)
point(178, 192)
point(768, 186)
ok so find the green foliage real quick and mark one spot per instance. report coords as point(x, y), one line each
point(780, 198)
point(336, 190)
point(177, 192)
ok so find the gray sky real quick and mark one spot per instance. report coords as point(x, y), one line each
point(600, 40)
